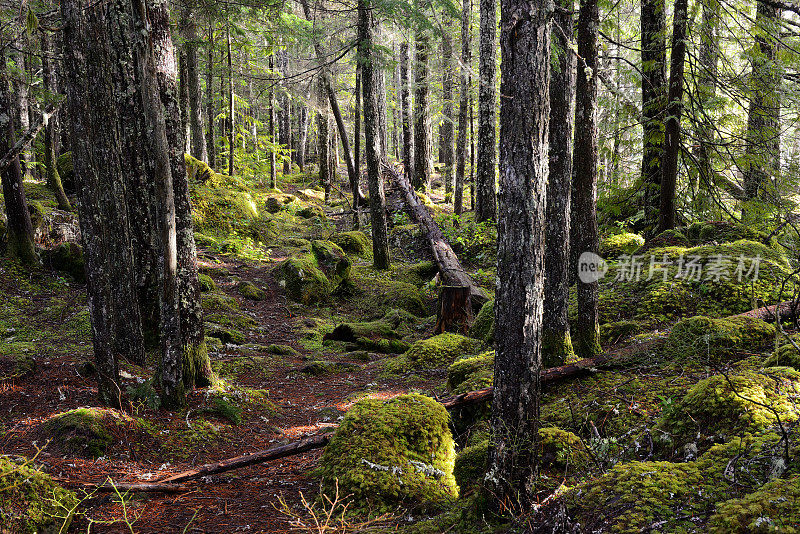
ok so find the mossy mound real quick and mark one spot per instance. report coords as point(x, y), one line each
point(220, 302)
point(87, 432)
point(721, 281)
point(326, 367)
point(723, 232)
point(471, 373)
point(206, 283)
point(721, 406)
point(197, 170)
point(706, 339)
point(311, 195)
point(354, 242)
point(249, 291)
point(303, 280)
point(440, 351)
point(471, 465)
point(405, 297)
point(393, 454)
point(775, 507)
point(311, 211)
point(225, 335)
point(332, 261)
point(351, 332)
point(68, 258)
point(617, 245)
point(618, 330)
point(483, 327)
point(30, 502)
point(786, 355)
point(281, 350)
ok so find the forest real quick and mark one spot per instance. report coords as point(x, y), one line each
point(412, 266)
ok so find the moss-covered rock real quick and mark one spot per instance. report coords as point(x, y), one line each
point(723, 406)
point(281, 350)
point(470, 466)
point(390, 454)
point(332, 261)
point(440, 351)
point(483, 327)
point(617, 245)
point(249, 291)
point(225, 335)
point(383, 346)
point(354, 242)
point(68, 258)
point(311, 211)
point(206, 283)
point(311, 195)
point(405, 297)
point(350, 332)
point(87, 432)
point(723, 232)
point(786, 355)
point(471, 373)
point(219, 302)
point(327, 367)
point(775, 507)
point(618, 330)
point(30, 502)
point(197, 170)
point(303, 280)
point(706, 339)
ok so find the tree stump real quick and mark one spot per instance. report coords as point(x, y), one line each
point(454, 310)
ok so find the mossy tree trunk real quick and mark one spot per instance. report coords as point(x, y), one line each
point(446, 128)
point(374, 154)
point(273, 160)
point(195, 110)
point(461, 143)
point(556, 342)
point(524, 115)
point(231, 106)
point(211, 146)
point(405, 105)
point(20, 230)
point(324, 144)
point(584, 233)
point(485, 160)
point(50, 128)
point(422, 137)
point(357, 121)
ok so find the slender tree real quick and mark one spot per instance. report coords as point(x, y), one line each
point(524, 114)
point(446, 128)
point(422, 123)
point(211, 147)
point(231, 109)
point(189, 32)
point(405, 104)
point(485, 160)
point(357, 121)
point(273, 160)
point(372, 134)
point(584, 233)
point(556, 341)
point(50, 127)
point(463, 101)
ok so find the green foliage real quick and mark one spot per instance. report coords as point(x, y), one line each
point(393, 453)
point(475, 243)
point(471, 373)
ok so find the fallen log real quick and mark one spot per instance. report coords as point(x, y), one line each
point(786, 310)
point(155, 487)
point(451, 273)
point(275, 453)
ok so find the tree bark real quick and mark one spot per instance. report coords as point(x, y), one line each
point(405, 104)
point(183, 92)
point(485, 174)
point(422, 137)
point(654, 101)
point(189, 30)
point(357, 120)
point(372, 133)
point(20, 244)
point(672, 142)
point(446, 127)
point(524, 116)
point(461, 142)
point(50, 127)
point(211, 146)
point(584, 232)
point(324, 144)
point(556, 341)
point(231, 108)
point(273, 160)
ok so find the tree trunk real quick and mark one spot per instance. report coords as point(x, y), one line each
point(357, 120)
point(584, 234)
point(50, 127)
point(189, 27)
point(372, 133)
point(324, 144)
point(524, 115)
point(461, 143)
point(485, 177)
point(422, 137)
point(654, 99)
point(446, 128)
point(231, 109)
point(302, 137)
point(405, 105)
point(20, 230)
point(211, 114)
point(273, 160)
point(672, 141)
point(183, 92)
point(762, 150)
point(556, 341)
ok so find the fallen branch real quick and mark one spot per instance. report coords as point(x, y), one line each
point(785, 309)
point(155, 487)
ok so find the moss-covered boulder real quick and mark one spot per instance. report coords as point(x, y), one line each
point(68, 258)
point(332, 261)
point(406, 297)
point(471, 465)
point(273, 205)
point(440, 351)
point(303, 280)
point(281, 350)
point(354, 242)
point(471, 373)
point(249, 291)
point(327, 367)
point(617, 245)
point(311, 195)
point(219, 302)
point(311, 211)
point(706, 339)
point(222, 205)
point(197, 170)
point(393, 454)
point(786, 355)
point(351, 332)
point(88, 432)
point(775, 507)
point(31, 503)
point(723, 406)
point(206, 283)
point(483, 327)
point(723, 232)
point(225, 335)
point(618, 330)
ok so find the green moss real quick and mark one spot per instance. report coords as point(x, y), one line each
point(249, 291)
point(483, 327)
point(281, 350)
point(470, 466)
point(618, 330)
point(440, 351)
point(350, 332)
point(219, 302)
point(332, 261)
point(68, 258)
point(384, 346)
point(303, 280)
point(723, 232)
point(775, 507)
point(196, 170)
point(311, 211)
point(354, 242)
point(617, 245)
point(405, 297)
point(225, 335)
point(86, 431)
point(393, 453)
point(31, 502)
point(556, 349)
point(206, 283)
point(471, 373)
point(721, 406)
point(235, 320)
point(706, 339)
point(225, 409)
point(325, 367)
point(786, 355)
